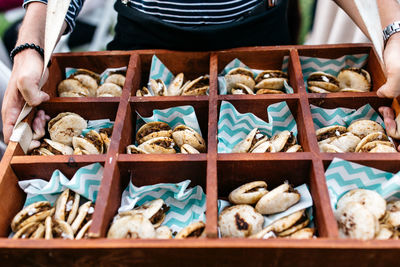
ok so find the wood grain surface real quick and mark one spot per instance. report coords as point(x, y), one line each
point(217, 174)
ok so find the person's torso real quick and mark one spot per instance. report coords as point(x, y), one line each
point(195, 12)
point(262, 25)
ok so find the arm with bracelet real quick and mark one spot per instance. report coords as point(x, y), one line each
point(27, 58)
point(389, 12)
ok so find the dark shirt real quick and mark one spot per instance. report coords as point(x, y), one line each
point(180, 12)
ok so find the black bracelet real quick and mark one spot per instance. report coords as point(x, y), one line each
point(19, 48)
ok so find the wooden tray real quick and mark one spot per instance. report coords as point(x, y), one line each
point(217, 173)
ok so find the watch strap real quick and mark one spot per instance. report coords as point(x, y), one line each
point(390, 30)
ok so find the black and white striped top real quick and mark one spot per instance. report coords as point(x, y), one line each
point(194, 12)
point(183, 12)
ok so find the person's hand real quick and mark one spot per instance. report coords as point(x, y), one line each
point(391, 88)
point(23, 85)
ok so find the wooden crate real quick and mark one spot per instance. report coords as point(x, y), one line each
point(217, 173)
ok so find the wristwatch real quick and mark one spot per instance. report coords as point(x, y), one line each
point(390, 30)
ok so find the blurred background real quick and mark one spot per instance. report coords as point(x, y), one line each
point(311, 22)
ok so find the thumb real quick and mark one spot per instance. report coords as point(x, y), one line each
point(391, 88)
point(43, 96)
point(29, 89)
point(37, 98)
point(382, 91)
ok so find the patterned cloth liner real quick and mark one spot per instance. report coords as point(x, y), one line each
point(331, 66)
point(233, 126)
point(187, 205)
point(304, 203)
point(343, 176)
point(103, 76)
point(237, 63)
point(159, 71)
point(323, 117)
point(86, 182)
point(175, 116)
point(96, 125)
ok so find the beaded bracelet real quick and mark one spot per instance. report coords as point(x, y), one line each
point(20, 48)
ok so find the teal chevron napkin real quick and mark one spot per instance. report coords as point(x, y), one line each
point(233, 126)
point(103, 76)
point(342, 176)
point(187, 205)
point(86, 182)
point(323, 117)
point(175, 116)
point(159, 71)
point(96, 125)
point(236, 63)
point(331, 66)
point(304, 203)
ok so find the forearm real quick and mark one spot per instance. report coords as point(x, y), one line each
point(389, 11)
point(33, 25)
point(33, 28)
point(350, 8)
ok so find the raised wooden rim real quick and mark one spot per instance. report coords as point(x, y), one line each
point(111, 179)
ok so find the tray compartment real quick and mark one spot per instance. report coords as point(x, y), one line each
point(383, 163)
point(148, 172)
point(352, 103)
point(145, 109)
point(88, 111)
point(259, 108)
point(28, 171)
point(192, 64)
point(373, 66)
point(91, 61)
point(234, 173)
point(261, 60)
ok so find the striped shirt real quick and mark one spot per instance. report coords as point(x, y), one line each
point(183, 12)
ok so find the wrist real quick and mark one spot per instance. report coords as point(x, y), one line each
point(390, 30)
point(20, 48)
point(393, 42)
point(394, 38)
point(28, 56)
point(27, 53)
